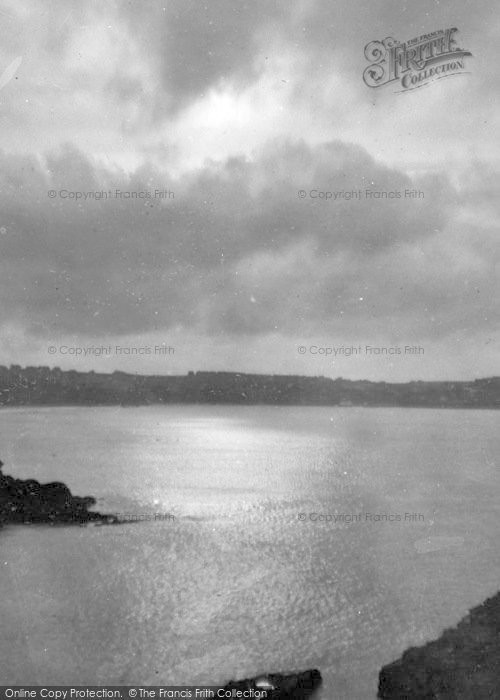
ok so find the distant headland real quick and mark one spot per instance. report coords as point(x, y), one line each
point(45, 386)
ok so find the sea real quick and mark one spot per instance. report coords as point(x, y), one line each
point(258, 539)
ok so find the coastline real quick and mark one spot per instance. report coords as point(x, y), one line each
point(45, 386)
point(27, 501)
point(463, 663)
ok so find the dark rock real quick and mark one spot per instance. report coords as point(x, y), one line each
point(464, 663)
point(31, 502)
point(277, 686)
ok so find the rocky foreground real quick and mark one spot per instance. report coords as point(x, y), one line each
point(463, 664)
point(296, 686)
point(28, 501)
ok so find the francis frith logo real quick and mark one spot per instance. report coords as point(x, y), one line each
point(415, 62)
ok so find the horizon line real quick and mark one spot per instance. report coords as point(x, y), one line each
point(256, 374)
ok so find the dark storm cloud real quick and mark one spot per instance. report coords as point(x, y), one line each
point(332, 26)
point(124, 75)
point(199, 46)
point(237, 250)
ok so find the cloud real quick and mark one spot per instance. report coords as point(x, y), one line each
point(123, 79)
point(236, 107)
point(203, 46)
point(237, 251)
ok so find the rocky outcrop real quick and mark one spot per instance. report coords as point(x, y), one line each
point(28, 501)
point(464, 663)
point(278, 687)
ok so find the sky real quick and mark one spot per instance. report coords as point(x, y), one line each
point(236, 117)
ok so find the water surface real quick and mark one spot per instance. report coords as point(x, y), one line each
point(236, 583)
